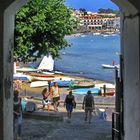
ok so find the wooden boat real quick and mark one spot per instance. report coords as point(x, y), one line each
point(108, 66)
point(94, 91)
point(110, 93)
point(26, 69)
point(62, 83)
point(37, 78)
point(38, 74)
point(81, 84)
point(21, 76)
point(39, 84)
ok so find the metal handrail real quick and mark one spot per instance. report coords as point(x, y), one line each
point(116, 122)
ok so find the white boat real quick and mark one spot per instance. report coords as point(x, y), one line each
point(108, 66)
point(96, 33)
point(21, 76)
point(48, 73)
point(63, 79)
point(36, 78)
point(108, 85)
point(26, 69)
point(39, 84)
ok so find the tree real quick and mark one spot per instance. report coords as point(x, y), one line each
point(108, 10)
point(83, 10)
point(41, 26)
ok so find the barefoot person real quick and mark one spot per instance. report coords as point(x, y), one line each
point(55, 94)
point(88, 106)
point(69, 103)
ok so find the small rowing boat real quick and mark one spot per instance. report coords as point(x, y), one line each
point(108, 66)
point(38, 84)
point(81, 84)
point(94, 91)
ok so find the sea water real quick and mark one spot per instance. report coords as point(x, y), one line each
point(87, 54)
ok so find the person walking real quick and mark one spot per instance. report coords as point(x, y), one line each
point(17, 115)
point(55, 95)
point(69, 103)
point(88, 106)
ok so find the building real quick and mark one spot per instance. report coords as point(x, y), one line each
point(96, 21)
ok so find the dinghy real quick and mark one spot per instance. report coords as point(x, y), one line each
point(108, 66)
point(94, 91)
point(39, 84)
point(81, 84)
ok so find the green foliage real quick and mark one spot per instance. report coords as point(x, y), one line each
point(41, 26)
point(108, 10)
point(83, 10)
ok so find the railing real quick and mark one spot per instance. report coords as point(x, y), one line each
point(116, 133)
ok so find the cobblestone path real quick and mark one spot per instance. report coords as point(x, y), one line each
point(74, 129)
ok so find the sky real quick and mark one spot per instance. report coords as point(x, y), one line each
point(91, 5)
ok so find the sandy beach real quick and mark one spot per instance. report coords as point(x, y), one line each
point(36, 92)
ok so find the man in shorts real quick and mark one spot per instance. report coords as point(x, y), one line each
point(55, 94)
point(88, 106)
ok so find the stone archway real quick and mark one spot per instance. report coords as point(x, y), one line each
point(131, 69)
point(7, 12)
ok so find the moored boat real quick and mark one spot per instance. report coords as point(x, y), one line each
point(108, 66)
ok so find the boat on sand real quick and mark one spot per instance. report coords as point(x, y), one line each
point(81, 84)
point(39, 84)
point(94, 91)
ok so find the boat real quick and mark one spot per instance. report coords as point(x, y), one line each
point(81, 84)
point(110, 93)
point(110, 88)
point(38, 74)
point(96, 33)
point(39, 84)
point(108, 66)
point(26, 69)
point(21, 76)
point(95, 91)
point(107, 85)
point(38, 78)
point(48, 73)
point(62, 78)
point(47, 63)
point(62, 83)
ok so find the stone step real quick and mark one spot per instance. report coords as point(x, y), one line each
point(44, 115)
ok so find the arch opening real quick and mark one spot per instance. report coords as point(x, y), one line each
point(123, 6)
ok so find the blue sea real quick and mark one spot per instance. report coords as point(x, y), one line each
point(87, 54)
